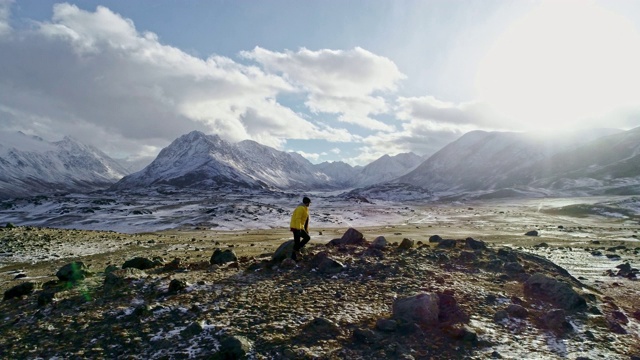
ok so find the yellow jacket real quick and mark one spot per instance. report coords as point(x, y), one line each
point(300, 218)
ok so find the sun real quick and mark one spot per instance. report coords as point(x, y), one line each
point(563, 65)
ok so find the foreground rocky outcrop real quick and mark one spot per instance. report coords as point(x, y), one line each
point(349, 299)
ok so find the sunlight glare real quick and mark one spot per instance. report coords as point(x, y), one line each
point(562, 65)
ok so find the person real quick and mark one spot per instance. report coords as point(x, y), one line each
point(300, 226)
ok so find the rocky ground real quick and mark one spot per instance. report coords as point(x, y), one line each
point(480, 290)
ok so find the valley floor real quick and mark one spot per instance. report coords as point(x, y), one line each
point(272, 306)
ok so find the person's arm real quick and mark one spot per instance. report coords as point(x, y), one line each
point(306, 225)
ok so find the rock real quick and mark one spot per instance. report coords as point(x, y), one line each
point(447, 244)
point(140, 263)
point(373, 252)
point(319, 329)
point(331, 266)
point(121, 277)
point(222, 257)
point(531, 233)
point(435, 239)
point(557, 292)
point(406, 244)
point(467, 257)
point(473, 244)
point(461, 333)
point(448, 310)
point(517, 311)
point(195, 328)
point(500, 315)
point(350, 237)
point(177, 285)
point(366, 336)
point(234, 347)
point(541, 245)
point(507, 254)
point(389, 325)
point(379, 243)
point(556, 320)
point(513, 268)
point(46, 297)
point(25, 288)
point(420, 309)
point(73, 272)
point(284, 251)
point(288, 263)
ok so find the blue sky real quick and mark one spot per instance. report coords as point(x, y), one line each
point(332, 80)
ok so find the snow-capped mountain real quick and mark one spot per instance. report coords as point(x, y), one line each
point(387, 168)
point(197, 160)
point(29, 165)
point(494, 161)
point(339, 173)
point(607, 165)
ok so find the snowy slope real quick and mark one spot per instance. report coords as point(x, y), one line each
point(387, 168)
point(30, 165)
point(495, 161)
point(197, 160)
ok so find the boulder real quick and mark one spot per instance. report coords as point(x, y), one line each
point(421, 309)
point(177, 285)
point(140, 263)
point(557, 292)
point(517, 311)
point(379, 243)
point(447, 244)
point(121, 277)
point(222, 257)
point(388, 325)
point(531, 233)
point(73, 272)
point(234, 347)
point(319, 329)
point(556, 320)
point(25, 288)
point(435, 239)
point(350, 237)
point(406, 244)
point(473, 244)
point(284, 251)
point(331, 266)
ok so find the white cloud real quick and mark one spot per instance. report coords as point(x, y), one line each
point(92, 73)
point(337, 81)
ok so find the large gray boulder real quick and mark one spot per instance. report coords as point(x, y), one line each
point(422, 309)
point(350, 237)
point(557, 292)
point(283, 251)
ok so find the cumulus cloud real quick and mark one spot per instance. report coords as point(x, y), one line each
point(89, 74)
point(447, 115)
point(337, 81)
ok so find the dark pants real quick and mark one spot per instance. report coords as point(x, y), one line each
point(297, 244)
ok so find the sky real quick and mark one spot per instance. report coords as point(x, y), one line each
point(332, 80)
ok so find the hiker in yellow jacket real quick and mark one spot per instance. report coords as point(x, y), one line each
point(300, 226)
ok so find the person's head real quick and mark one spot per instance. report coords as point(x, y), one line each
point(306, 201)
